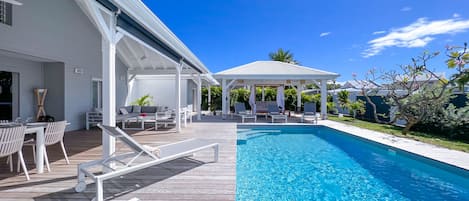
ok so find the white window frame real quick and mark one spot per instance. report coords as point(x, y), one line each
point(99, 93)
point(7, 13)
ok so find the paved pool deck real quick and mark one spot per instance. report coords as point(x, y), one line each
point(456, 158)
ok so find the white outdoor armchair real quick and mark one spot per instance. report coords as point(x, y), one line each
point(54, 134)
point(11, 141)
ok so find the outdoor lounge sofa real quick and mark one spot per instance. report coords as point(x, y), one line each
point(261, 107)
point(141, 156)
point(145, 114)
point(240, 110)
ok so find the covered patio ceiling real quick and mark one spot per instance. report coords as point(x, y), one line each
point(274, 73)
point(144, 61)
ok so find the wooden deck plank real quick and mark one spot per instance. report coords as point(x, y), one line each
point(181, 179)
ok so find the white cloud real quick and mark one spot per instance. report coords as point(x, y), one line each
point(417, 34)
point(405, 9)
point(379, 32)
point(324, 34)
point(456, 15)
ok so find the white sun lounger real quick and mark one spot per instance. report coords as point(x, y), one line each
point(240, 110)
point(309, 112)
point(141, 156)
point(275, 114)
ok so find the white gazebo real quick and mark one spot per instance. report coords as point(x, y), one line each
point(274, 73)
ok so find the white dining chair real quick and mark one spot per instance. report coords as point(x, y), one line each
point(11, 141)
point(54, 134)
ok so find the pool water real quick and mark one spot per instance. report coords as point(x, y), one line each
point(320, 163)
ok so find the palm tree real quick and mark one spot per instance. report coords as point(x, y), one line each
point(283, 56)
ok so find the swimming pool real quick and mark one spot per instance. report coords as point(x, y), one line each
point(320, 163)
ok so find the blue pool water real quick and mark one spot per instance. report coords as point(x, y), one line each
point(319, 163)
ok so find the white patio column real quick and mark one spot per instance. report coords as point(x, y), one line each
point(178, 97)
point(209, 97)
point(323, 99)
point(263, 94)
point(199, 98)
point(223, 97)
point(109, 93)
point(299, 88)
point(228, 99)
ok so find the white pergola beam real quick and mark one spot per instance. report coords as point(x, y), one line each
point(95, 14)
point(323, 99)
point(223, 97)
point(199, 98)
point(299, 88)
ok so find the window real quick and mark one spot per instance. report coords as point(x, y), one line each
point(5, 13)
point(97, 93)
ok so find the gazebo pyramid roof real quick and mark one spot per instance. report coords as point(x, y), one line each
point(274, 70)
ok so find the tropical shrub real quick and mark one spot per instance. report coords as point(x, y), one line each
point(357, 107)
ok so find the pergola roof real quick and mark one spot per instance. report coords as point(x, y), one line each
point(148, 46)
point(274, 70)
point(151, 23)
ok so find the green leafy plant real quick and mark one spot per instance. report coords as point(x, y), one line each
point(145, 100)
point(357, 107)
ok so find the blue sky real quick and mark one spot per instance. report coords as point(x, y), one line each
point(341, 36)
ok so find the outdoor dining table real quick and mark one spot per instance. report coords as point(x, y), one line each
point(38, 128)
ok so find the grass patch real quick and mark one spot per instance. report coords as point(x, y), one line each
point(396, 130)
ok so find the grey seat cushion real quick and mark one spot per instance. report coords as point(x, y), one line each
point(148, 109)
point(126, 116)
point(136, 109)
point(128, 108)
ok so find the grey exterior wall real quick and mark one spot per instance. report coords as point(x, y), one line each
point(54, 82)
point(58, 30)
point(121, 83)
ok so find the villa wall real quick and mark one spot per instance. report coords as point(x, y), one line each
point(162, 90)
point(30, 76)
point(58, 31)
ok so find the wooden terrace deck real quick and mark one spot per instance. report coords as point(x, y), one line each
point(195, 178)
